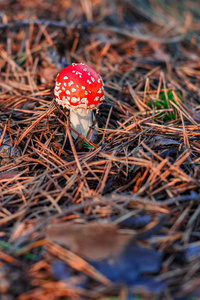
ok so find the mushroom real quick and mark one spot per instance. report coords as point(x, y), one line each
point(79, 88)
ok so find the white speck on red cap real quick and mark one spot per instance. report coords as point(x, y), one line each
point(70, 83)
point(75, 99)
point(84, 100)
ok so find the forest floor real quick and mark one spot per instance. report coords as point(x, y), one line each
point(117, 218)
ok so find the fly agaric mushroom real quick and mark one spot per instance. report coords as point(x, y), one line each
point(79, 88)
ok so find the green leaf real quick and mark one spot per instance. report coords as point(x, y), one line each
point(30, 256)
point(5, 245)
point(8, 246)
point(85, 144)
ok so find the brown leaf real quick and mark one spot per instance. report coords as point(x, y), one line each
point(48, 74)
point(158, 141)
point(92, 241)
point(7, 175)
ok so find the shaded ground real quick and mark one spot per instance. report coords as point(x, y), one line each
point(118, 219)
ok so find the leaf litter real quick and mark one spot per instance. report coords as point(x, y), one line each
point(116, 218)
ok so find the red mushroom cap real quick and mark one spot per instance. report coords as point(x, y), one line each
point(79, 86)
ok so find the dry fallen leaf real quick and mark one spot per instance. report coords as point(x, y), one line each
point(48, 74)
point(92, 241)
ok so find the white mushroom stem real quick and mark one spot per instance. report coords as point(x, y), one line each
point(81, 120)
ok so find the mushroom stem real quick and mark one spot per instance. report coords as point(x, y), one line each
point(81, 120)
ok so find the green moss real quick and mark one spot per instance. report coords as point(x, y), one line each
point(163, 103)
